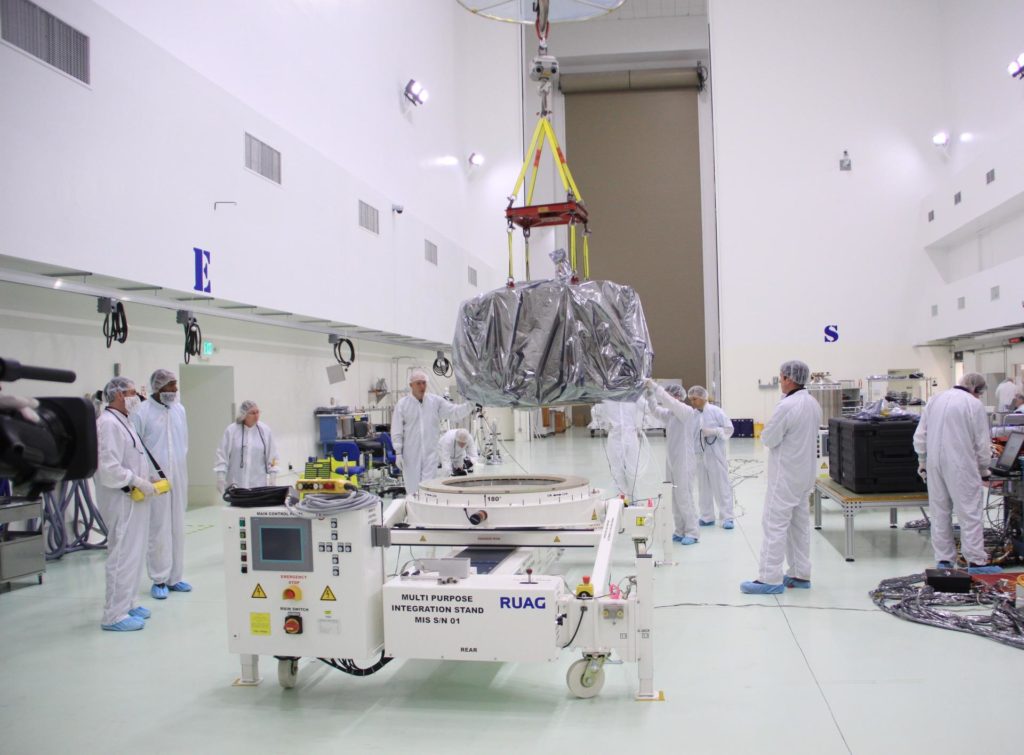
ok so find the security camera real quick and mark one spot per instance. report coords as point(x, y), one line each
point(398, 208)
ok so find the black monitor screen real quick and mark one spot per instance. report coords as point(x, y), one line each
point(279, 544)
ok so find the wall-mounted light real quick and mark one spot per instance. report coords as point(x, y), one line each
point(966, 137)
point(1016, 67)
point(475, 158)
point(941, 139)
point(416, 93)
point(447, 161)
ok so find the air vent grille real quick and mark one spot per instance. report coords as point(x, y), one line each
point(430, 252)
point(472, 276)
point(369, 217)
point(262, 158)
point(42, 35)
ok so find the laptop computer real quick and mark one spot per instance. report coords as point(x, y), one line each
point(1007, 461)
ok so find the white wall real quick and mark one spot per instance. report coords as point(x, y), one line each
point(120, 177)
point(282, 370)
point(801, 244)
point(970, 247)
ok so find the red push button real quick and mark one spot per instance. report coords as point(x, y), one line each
point(292, 592)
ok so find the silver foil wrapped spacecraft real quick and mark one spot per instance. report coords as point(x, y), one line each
point(552, 342)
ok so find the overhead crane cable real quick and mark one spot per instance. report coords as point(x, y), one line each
point(526, 251)
point(572, 246)
point(526, 161)
point(571, 212)
point(511, 274)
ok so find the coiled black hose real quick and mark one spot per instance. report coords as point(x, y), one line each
point(193, 339)
point(346, 363)
point(251, 497)
point(115, 325)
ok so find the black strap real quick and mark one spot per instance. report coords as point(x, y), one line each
point(132, 435)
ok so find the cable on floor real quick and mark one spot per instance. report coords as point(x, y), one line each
point(912, 599)
point(85, 520)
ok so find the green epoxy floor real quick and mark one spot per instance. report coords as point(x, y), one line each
point(819, 671)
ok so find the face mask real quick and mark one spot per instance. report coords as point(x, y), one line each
point(131, 403)
point(168, 398)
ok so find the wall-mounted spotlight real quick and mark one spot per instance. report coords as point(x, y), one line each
point(941, 139)
point(475, 158)
point(966, 137)
point(416, 93)
point(1016, 67)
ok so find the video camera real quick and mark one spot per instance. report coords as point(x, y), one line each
point(35, 456)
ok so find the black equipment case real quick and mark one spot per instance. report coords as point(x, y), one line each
point(874, 456)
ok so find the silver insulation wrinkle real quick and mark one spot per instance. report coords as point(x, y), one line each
point(552, 342)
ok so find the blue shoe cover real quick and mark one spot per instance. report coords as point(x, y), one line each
point(760, 588)
point(702, 523)
point(180, 587)
point(944, 565)
point(140, 612)
point(159, 592)
point(131, 624)
point(728, 524)
point(796, 582)
point(687, 540)
point(676, 538)
point(985, 569)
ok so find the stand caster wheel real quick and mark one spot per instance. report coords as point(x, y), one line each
point(287, 672)
point(575, 679)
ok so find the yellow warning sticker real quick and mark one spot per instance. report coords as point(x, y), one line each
point(259, 623)
point(327, 594)
point(641, 521)
point(423, 538)
point(258, 592)
point(558, 539)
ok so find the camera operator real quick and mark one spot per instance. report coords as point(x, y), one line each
point(123, 465)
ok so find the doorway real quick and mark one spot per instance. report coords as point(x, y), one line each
point(208, 395)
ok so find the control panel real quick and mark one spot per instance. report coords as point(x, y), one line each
point(303, 587)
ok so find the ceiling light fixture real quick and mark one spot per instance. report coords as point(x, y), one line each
point(941, 139)
point(416, 93)
point(475, 158)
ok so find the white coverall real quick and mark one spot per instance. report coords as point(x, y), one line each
point(121, 458)
point(258, 463)
point(791, 437)
point(1005, 392)
point(624, 418)
point(453, 456)
point(712, 464)
point(953, 439)
point(165, 432)
point(415, 429)
point(680, 420)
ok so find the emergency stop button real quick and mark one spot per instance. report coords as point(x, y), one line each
point(293, 625)
point(292, 592)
